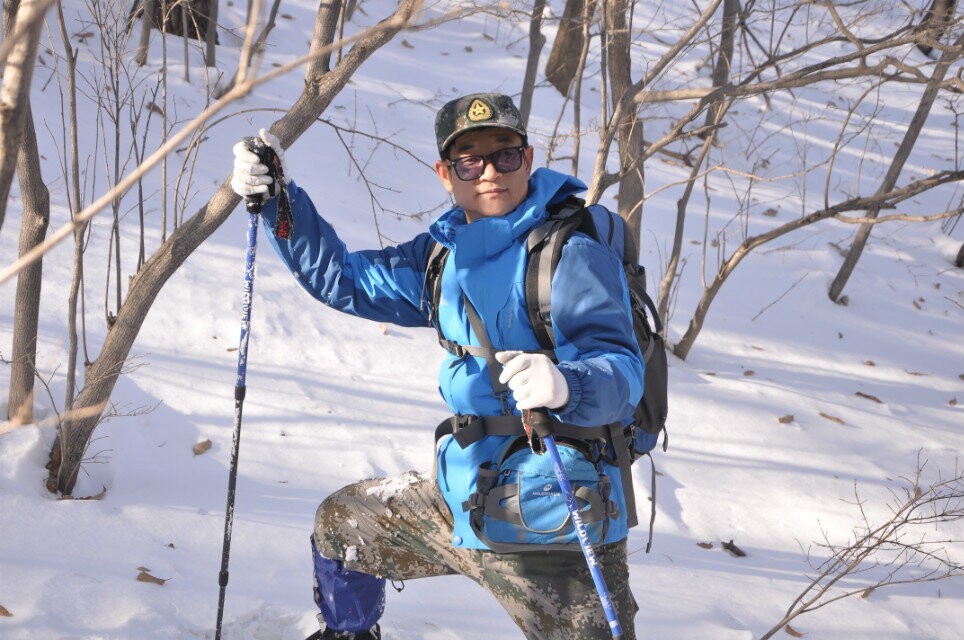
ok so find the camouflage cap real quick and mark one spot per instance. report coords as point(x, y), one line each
point(475, 111)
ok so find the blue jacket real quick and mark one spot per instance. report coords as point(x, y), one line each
point(592, 322)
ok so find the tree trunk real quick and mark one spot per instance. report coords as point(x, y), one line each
point(959, 261)
point(893, 172)
point(536, 42)
point(564, 57)
point(26, 315)
point(23, 22)
point(936, 19)
point(147, 23)
point(721, 70)
point(211, 34)
point(319, 91)
point(190, 19)
point(629, 132)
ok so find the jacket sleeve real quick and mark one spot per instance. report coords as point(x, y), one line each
point(595, 342)
point(383, 285)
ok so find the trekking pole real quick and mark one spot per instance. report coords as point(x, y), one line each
point(253, 204)
point(540, 416)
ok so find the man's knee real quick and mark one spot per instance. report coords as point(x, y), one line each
point(332, 517)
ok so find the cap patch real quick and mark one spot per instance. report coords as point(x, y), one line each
point(479, 111)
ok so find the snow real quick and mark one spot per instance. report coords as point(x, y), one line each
point(333, 399)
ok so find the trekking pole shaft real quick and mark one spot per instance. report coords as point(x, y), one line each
point(239, 392)
point(583, 535)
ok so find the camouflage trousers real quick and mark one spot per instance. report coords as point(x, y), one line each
point(400, 528)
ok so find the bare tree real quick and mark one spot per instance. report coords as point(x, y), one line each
point(33, 228)
point(899, 550)
point(948, 57)
point(536, 41)
point(320, 89)
point(625, 122)
point(754, 60)
point(563, 63)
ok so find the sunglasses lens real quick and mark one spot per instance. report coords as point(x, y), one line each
point(504, 161)
point(469, 168)
point(507, 160)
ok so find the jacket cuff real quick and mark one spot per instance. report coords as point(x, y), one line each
point(574, 381)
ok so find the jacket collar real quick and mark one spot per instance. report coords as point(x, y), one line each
point(488, 236)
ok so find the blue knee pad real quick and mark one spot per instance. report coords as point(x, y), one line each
point(349, 600)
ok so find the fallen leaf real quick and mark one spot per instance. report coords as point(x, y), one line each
point(870, 363)
point(383, 328)
point(833, 418)
point(468, 49)
point(915, 373)
point(953, 402)
point(201, 447)
point(144, 576)
point(869, 397)
point(866, 592)
point(704, 545)
point(4, 612)
point(916, 304)
point(749, 372)
point(787, 419)
point(753, 346)
point(407, 44)
point(732, 548)
point(770, 213)
point(287, 16)
point(793, 632)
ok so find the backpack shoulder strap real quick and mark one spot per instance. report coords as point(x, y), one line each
point(432, 285)
point(544, 248)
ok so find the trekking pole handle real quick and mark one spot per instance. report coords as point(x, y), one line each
point(540, 418)
point(266, 155)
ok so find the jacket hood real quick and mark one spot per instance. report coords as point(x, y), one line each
point(488, 236)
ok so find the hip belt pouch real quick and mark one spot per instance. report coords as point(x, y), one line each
point(519, 505)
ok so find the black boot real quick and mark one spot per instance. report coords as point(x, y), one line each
point(375, 633)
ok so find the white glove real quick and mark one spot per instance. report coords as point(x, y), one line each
point(534, 380)
point(250, 175)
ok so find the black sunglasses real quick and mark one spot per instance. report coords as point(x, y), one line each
point(504, 161)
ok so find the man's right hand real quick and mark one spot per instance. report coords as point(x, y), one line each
point(251, 175)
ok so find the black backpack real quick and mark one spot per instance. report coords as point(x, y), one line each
point(545, 247)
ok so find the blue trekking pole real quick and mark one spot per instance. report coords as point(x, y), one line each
point(253, 204)
point(541, 417)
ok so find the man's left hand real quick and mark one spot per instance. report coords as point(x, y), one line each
point(534, 380)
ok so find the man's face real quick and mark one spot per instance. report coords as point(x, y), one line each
point(492, 194)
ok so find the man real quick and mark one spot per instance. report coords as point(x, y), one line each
point(452, 522)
